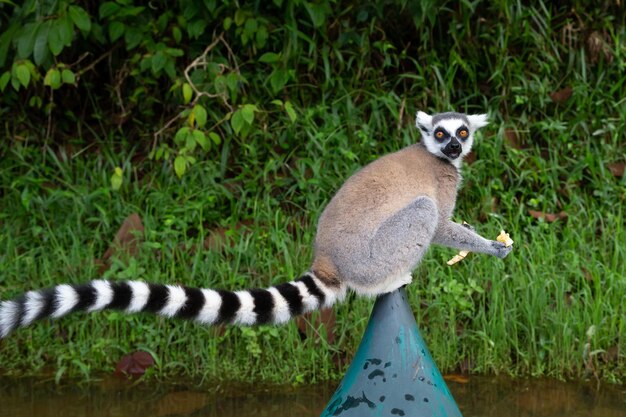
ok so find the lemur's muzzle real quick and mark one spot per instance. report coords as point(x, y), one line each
point(453, 149)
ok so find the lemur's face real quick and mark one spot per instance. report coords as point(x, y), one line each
point(449, 135)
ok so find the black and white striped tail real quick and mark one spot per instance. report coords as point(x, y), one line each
point(274, 305)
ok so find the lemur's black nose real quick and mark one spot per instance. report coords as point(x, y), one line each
point(455, 145)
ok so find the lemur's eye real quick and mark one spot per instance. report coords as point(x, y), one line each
point(439, 135)
point(463, 133)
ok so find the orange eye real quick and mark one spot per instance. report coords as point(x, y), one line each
point(463, 133)
point(439, 135)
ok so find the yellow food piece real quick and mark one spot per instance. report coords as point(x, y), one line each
point(504, 237)
point(458, 258)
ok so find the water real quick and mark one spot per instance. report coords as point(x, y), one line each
point(476, 396)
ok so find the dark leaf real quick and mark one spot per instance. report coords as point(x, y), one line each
point(611, 354)
point(512, 138)
point(561, 96)
point(126, 241)
point(310, 324)
point(617, 169)
point(54, 38)
point(116, 30)
point(549, 217)
point(26, 39)
point(134, 365)
point(66, 30)
point(41, 53)
point(80, 18)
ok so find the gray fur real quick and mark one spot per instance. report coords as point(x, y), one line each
point(460, 237)
point(437, 118)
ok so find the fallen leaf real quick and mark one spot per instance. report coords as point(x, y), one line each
point(598, 45)
point(47, 185)
point(512, 138)
point(617, 169)
point(549, 217)
point(562, 95)
point(567, 297)
point(126, 241)
point(217, 238)
point(465, 366)
point(134, 365)
point(341, 359)
point(470, 158)
point(611, 354)
point(458, 378)
point(311, 322)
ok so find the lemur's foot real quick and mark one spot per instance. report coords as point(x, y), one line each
point(500, 249)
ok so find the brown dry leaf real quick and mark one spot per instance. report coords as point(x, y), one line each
point(562, 95)
point(458, 378)
point(617, 169)
point(341, 359)
point(217, 238)
point(512, 138)
point(611, 354)
point(126, 241)
point(549, 217)
point(465, 366)
point(181, 403)
point(134, 365)
point(470, 158)
point(598, 45)
point(47, 185)
point(567, 297)
point(309, 323)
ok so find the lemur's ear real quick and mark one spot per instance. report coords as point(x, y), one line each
point(424, 122)
point(478, 120)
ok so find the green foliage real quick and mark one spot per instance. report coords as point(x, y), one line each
point(247, 116)
point(108, 62)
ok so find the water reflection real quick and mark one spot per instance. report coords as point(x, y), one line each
point(479, 396)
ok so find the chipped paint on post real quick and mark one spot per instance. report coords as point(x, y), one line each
point(392, 373)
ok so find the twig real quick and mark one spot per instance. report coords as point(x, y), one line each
point(94, 63)
point(49, 124)
point(79, 60)
point(120, 77)
point(200, 61)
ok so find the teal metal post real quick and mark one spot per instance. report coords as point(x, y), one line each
point(392, 373)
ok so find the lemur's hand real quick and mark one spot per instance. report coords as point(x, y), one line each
point(500, 249)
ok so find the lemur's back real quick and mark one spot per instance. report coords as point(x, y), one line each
point(371, 197)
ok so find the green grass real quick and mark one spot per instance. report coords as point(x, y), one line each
point(530, 314)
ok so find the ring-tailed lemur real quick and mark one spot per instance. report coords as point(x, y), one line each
point(370, 237)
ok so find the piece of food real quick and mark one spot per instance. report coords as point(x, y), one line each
point(458, 258)
point(504, 237)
